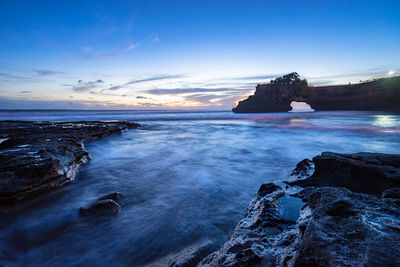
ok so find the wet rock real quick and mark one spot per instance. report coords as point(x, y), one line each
point(391, 193)
point(338, 226)
point(341, 208)
point(266, 189)
point(116, 196)
point(370, 173)
point(107, 207)
point(36, 157)
point(303, 168)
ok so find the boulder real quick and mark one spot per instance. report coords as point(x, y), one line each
point(107, 207)
point(116, 196)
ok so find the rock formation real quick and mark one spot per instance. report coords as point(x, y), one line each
point(37, 157)
point(104, 206)
point(337, 217)
point(378, 95)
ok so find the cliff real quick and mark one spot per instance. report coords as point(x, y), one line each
point(378, 95)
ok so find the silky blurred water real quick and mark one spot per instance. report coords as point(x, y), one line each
point(187, 179)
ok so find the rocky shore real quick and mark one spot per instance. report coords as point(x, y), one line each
point(36, 157)
point(336, 210)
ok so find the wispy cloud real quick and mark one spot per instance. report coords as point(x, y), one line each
point(113, 88)
point(47, 72)
point(142, 97)
point(149, 79)
point(256, 77)
point(90, 54)
point(86, 86)
point(25, 92)
point(372, 72)
point(107, 94)
point(11, 76)
point(130, 47)
point(178, 91)
point(158, 78)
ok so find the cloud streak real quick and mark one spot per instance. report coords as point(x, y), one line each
point(257, 77)
point(130, 47)
point(149, 79)
point(367, 72)
point(11, 76)
point(178, 91)
point(84, 87)
point(47, 72)
point(90, 55)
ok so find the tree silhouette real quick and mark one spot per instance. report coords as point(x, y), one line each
point(289, 79)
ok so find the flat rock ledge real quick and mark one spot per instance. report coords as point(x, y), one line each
point(37, 157)
point(345, 213)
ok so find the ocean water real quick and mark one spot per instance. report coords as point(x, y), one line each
point(187, 178)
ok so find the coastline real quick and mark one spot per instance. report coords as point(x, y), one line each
point(39, 157)
point(342, 218)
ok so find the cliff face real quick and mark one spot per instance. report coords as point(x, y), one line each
point(382, 94)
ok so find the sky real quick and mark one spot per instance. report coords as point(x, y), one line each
point(185, 54)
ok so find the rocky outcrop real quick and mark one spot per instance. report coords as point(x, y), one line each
point(107, 207)
point(36, 157)
point(369, 173)
point(104, 206)
point(332, 217)
point(378, 95)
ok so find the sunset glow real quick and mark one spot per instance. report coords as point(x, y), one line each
point(138, 55)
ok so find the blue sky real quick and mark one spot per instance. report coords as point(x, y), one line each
point(185, 54)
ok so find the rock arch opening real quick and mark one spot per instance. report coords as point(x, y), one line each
point(300, 107)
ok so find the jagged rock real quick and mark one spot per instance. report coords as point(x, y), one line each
point(266, 189)
point(303, 169)
point(336, 226)
point(107, 207)
point(37, 157)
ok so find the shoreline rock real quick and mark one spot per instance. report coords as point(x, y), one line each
point(106, 205)
point(342, 220)
point(38, 157)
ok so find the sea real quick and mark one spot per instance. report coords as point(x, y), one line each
point(187, 178)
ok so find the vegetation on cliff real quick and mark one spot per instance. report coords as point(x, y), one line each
point(380, 94)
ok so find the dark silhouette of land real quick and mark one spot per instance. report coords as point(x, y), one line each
point(377, 95)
